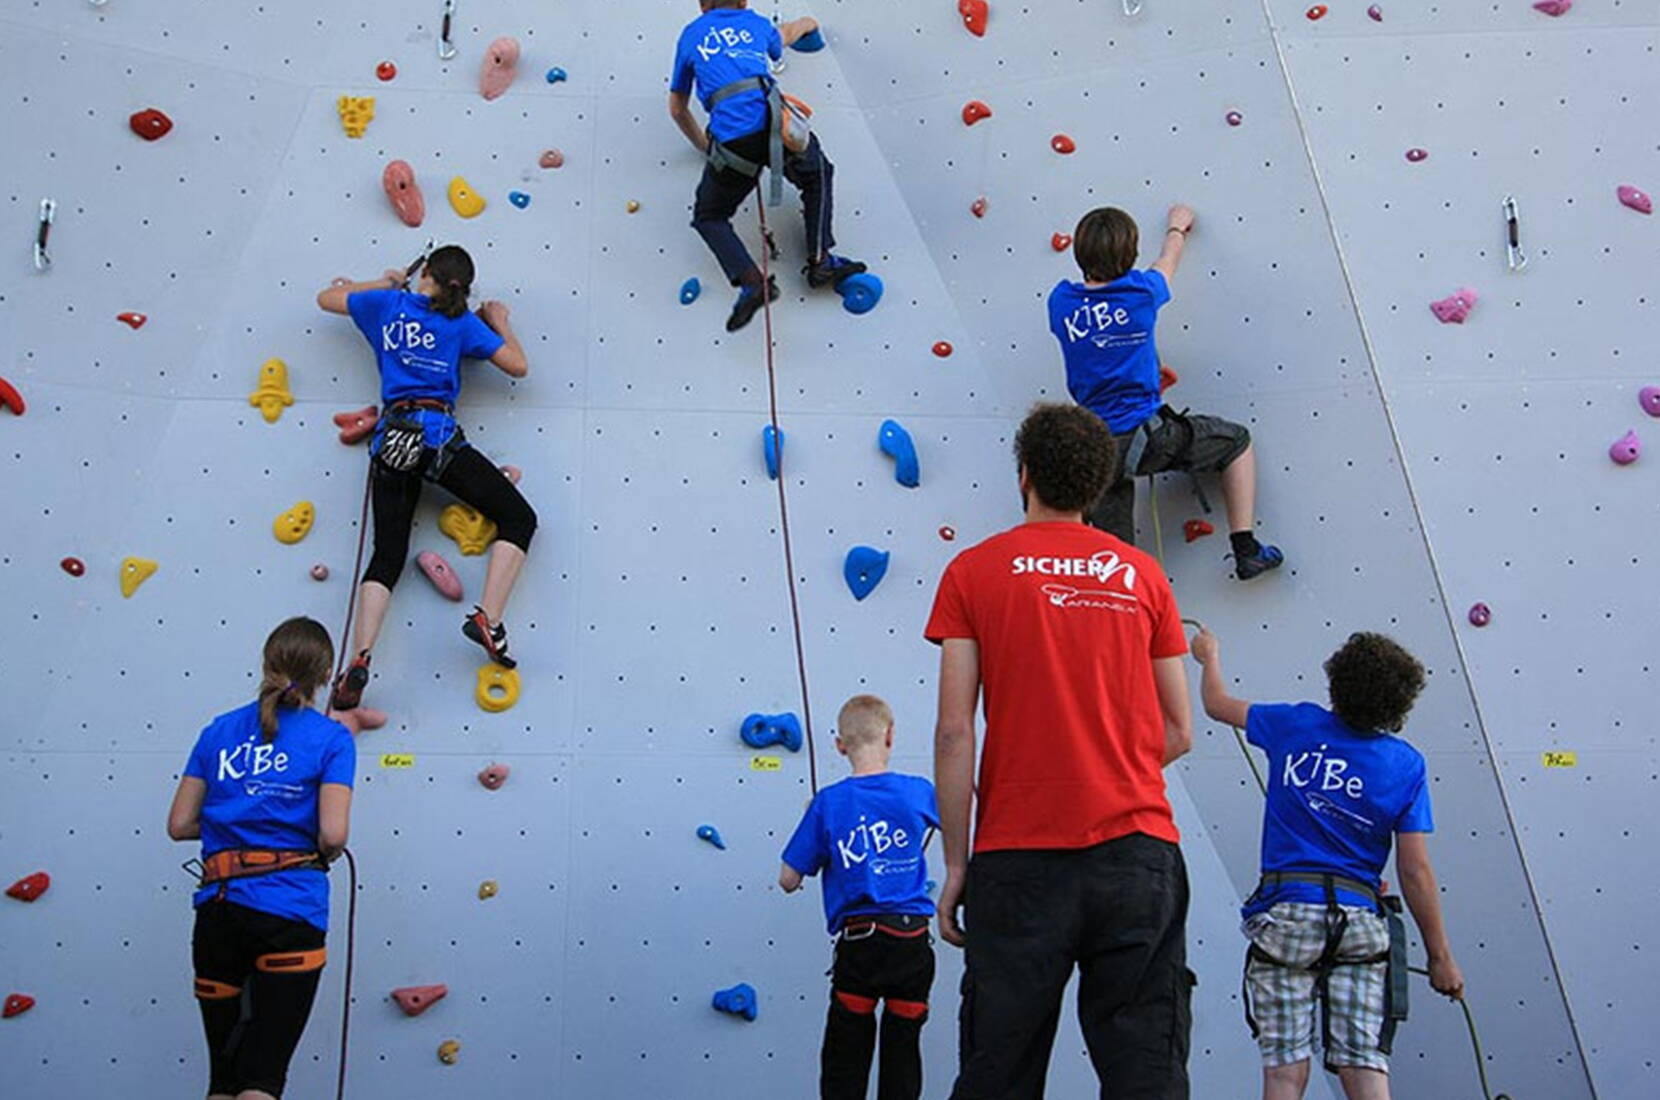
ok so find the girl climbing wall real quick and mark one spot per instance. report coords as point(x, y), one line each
point(419, 341)
point(268, 791)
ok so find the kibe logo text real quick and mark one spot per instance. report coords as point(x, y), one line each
point(1102, 567)
point(1306, 768)
point(401, 334)
point(866, 839)
point(1100, 317)
point(248, 759)
point(723, 38)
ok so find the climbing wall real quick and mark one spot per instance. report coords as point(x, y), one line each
point(1410, 469)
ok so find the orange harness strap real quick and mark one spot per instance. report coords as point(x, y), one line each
point(908, 1010)
point(292, 962)
point(209, 990)
point(859, 1006)
point(246, 862)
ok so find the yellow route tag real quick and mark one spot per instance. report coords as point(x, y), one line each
point(397, 760)
point(1561, 760)
point(766, 764)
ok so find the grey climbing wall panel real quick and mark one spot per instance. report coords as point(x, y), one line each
point(655, 613)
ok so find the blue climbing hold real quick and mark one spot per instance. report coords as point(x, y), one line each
point(864, 570)
point(762, 731)
point(712, 835)
point(860, 293)
point(556, 75)
point(811, 42)
point(689, 290)
point(772, 447)
point(930, 886)
point(518, 198)
point(896, 442)
point(740, 1000)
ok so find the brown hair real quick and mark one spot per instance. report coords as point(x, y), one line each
point(863, 720)
point(1106, 244)
point(452, 269)
point(1374, 681)
point(1068, 455)
point(298, 656)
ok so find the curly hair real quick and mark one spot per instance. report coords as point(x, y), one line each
point(1374, 681)
point(1068, 455)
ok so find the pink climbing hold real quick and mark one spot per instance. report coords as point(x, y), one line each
point(1455, 308)
point(404, 193)
point(1235, 118)
point(359, 719)
point(356, 425)
point(416, 999)
point(1063, 145)
point(1553, 7)
point(319, 572)
point(438, 571)
point(1480, 614)
point(1636, 198)
point(501, 65)
point(512, 473)
point(979, 206)
point(552, 158)
point(1417, 156)
point(1626, 449)
point(973, 111)
point(494, 776)
point(1649, 398)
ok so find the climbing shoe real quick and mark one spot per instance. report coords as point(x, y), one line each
point(1247, 566)
point(831, 269)
point(348, 689)
point(750, 300)
point(493, 638)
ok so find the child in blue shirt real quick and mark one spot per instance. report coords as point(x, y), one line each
point(1105, 327)
point(868, 834)
point(1341, 787)
point(726, 53)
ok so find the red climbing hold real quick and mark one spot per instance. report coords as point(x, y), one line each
point(1167, 378)
point(1195, 529)
point(979, 206)
point(16, 1005)
point(386, 70)
point(357, 425)
point(319, 572)
point(974, 13)
point(150, 124)
point(1060, 242)
point(974, 111)
point(1063, 145)
point(30, 887)
point(10, 398)
point(75, 567)
point(943, 349)
point(948, 533)
point(416, 999)
point(1318, 11)
point(398, 180)
point(132, 320)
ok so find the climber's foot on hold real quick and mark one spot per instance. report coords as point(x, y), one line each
point(749, 301)
point(1251, 558)
point(348, 689)
point(831, 269)
point(477, 628)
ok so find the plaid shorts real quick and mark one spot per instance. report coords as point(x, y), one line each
point(1284, 1001)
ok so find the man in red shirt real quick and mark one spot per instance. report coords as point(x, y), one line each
point(1078, 642)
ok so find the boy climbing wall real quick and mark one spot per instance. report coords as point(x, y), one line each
point(1105, 328)
point(726, 51)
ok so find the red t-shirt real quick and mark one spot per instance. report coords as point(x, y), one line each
point(1068, 620)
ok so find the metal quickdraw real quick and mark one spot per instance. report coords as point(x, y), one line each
point(43, 259)
point(446, 47)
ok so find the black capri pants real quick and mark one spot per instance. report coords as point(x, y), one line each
point(471, 477)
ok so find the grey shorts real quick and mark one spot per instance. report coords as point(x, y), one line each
point(1192, 443)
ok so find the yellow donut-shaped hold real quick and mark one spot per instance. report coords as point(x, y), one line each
point(498, 688)
point(467, 202)
point(294, 524)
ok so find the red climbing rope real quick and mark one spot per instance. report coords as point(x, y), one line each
point(783, 499)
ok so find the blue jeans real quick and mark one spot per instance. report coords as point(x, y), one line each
point(721, 192)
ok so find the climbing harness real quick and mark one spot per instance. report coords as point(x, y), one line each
point(43, 259)
point(901, 926)
point(403, 442)
point(787, 129)
point(220, 868)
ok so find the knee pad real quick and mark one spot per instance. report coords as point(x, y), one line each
point(908, 1010)
point(209, 990)
point(292, 962)
point(859, 1006)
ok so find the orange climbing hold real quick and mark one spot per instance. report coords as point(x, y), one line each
point(1063, 145)
point(30, 887)
point(11, 399)
point(132, 320)
point(150, 124)
point(975, 110)
point(405, 193)
point(1060, 242)
point(1195, 529)
point(416, 999)
point(1167, 378)
point(975, 13)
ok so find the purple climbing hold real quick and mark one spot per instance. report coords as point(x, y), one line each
point(1480, 614)
point(1376, 12)
point(1636, 198)
point(1456, 307)
point(1649, 398)
point(1626, 449)
point(1417, 156)
point(1553, 7)
point(1235, 118)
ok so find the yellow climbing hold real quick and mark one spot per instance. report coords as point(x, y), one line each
point(294, 524)
point(498, 688)
point(487, 889)
point(449, 1052)
point(633, 206)
point(356, 112)
point(134, 572)
point(272, 396)
point(468, 527)
point(467, 202)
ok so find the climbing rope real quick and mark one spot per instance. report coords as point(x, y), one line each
point(1469, 1014)
point(783, 499)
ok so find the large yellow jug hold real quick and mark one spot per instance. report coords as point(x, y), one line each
point(134, 572)
point(468, 527)
point(272, 396)
point(467, 202)
point(294, 524)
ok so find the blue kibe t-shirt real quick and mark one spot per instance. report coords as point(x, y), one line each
point(265, 795)
point(1336, 798)
point(720, 47)
point(419, 351)
point(1106, 335)
point(866, 834)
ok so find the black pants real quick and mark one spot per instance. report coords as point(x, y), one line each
point(470, 476)
point(1177, 442)
point(897, 969)
point(251, 1037)
point(1118, 912)
point(722, 191)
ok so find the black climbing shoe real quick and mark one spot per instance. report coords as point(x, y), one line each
point(1255, 565)
point(749, 301)
point(348, 689)
point(831, 269)
point(477, 628)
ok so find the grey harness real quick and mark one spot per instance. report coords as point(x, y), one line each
point(723, 158)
